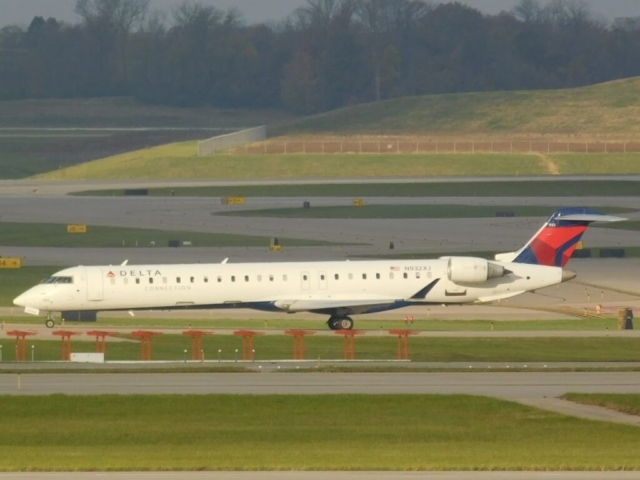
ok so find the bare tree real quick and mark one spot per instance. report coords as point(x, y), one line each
point(121, 15)
point(528, 10)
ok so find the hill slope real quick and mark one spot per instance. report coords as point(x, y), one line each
point(611, 108)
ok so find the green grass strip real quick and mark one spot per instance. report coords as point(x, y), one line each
point(422, 349)
point(180, 160)
point(421, 323)
point(55, 235)
point(556, 188)
point(626, 403)
point(326, 432)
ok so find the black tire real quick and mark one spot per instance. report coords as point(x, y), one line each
point(50, 323)
point(334, 323)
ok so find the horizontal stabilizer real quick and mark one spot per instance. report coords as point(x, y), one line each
point(591, 218)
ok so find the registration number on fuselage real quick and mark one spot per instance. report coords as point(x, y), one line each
point(418, 268)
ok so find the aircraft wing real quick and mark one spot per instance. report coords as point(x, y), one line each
point(351, 304)
point(311, 305)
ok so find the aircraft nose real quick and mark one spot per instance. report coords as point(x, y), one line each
point(20, 301)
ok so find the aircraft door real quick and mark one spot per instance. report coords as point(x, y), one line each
point(322, 280)
point(304, 278)
point(95, 287)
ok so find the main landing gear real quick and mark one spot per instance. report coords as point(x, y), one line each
point(49, 322)
point(340, 323)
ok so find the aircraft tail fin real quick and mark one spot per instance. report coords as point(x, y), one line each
point(555, 242)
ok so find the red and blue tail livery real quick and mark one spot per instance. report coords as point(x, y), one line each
point(555, 242)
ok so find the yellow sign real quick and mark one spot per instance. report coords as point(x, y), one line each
point(10, 262)
point(358, 202)
point(233, 200)
point(579, 245)
point(76, 229)
point(276, 248)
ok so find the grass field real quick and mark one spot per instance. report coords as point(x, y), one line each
point(597, 163)
point(123, 112)
point(608, 108)
point(309, 432)
point(422, 349)
point(408, 211)
point(629, 403)
point(37, 143)
point(27, 153)
point(180, 161)
point(55, 235)
point(556, 188)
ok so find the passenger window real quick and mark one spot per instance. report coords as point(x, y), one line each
point(405, 275)
point(177, 279)
point(246, 278)
point(271, 278)
point(417, 274)
point(336, 276)
point(284, 278)
point(150, 280)
point(137, 280)
point(219, 279)
point(364, 276)
point(259, 278)
point(233, 278)
point(206, 279)
point(391, 275)
point(193, 279)
point(321, 277)
point(351, 276)
point(378, 276)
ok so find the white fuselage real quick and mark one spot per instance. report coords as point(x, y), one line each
point(345, 287)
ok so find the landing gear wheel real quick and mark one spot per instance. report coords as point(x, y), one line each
point(50, 323)
point(340, 323)
point(346, 323)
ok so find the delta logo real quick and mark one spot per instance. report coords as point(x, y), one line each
point(110, 274)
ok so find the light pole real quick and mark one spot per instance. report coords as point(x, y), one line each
point(33, 352)
point(185, 355)
point(219, 353)
point(0, 353)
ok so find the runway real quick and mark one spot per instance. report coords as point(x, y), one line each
point(510, 386)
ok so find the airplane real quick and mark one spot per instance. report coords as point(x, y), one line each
point(338, 289)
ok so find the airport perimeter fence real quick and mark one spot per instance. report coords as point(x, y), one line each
point(430, 147)
point(230, 141)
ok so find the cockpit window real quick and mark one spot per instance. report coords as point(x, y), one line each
point(58, 280)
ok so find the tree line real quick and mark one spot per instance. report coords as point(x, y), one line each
point(325, 55)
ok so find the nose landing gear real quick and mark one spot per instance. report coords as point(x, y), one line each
point(340, 323)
